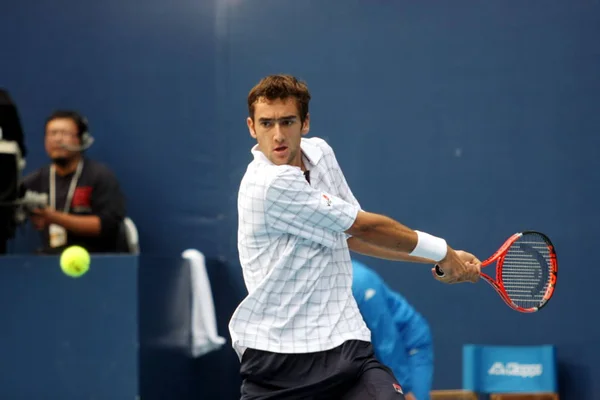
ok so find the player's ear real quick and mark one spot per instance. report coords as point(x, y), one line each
point(251, 127)
point(306, 125)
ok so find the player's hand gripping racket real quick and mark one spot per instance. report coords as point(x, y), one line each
point(526, 270)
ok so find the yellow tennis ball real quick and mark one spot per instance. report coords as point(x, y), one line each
point(75, 261)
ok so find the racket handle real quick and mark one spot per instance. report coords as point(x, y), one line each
point(438, 271)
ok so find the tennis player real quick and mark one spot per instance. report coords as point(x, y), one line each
point(299, 333)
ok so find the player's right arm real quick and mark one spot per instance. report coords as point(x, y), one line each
point(385, 232)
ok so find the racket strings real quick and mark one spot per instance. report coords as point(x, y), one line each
point(526, 270)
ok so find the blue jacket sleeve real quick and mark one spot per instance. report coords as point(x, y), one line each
point(379, 306)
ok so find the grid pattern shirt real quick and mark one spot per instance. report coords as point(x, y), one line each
point(294, 256)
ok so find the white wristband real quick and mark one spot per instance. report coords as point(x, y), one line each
point(429, 246)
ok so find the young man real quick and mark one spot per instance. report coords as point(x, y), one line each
point(86, 204)
point(299, 333)
point(400, 335)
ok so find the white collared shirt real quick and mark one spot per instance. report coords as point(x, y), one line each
point(294, 256)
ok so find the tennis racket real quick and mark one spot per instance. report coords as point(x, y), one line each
point(526, 270)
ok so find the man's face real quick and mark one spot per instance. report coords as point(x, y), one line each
point(278, 130)
point(59, 132)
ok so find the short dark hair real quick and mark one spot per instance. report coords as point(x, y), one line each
point(80, 121)
point(280, 87)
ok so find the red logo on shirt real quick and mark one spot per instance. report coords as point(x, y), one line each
point(82, 197)
point(398, 388)
point(327, 200)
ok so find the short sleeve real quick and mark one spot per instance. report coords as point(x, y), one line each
point(294, 207)
point(340, 181)
point(108, 202)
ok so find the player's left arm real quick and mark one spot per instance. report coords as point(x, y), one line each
point(355, 244)
point(368, 249)
point(361, 247)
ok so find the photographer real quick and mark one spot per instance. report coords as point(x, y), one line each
point(86, 206)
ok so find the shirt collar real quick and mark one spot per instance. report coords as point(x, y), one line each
point(312, 152)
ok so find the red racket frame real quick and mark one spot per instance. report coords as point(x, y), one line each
point(497, 284)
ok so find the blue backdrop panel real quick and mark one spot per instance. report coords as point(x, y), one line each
point(65, 338)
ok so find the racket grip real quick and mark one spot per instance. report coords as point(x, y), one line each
point(438, 271)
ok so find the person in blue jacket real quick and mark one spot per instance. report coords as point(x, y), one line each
point(399, 334)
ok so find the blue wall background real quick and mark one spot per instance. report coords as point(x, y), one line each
point(470, 120)
point(65, 338)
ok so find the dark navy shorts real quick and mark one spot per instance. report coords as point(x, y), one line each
point(347, 372)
